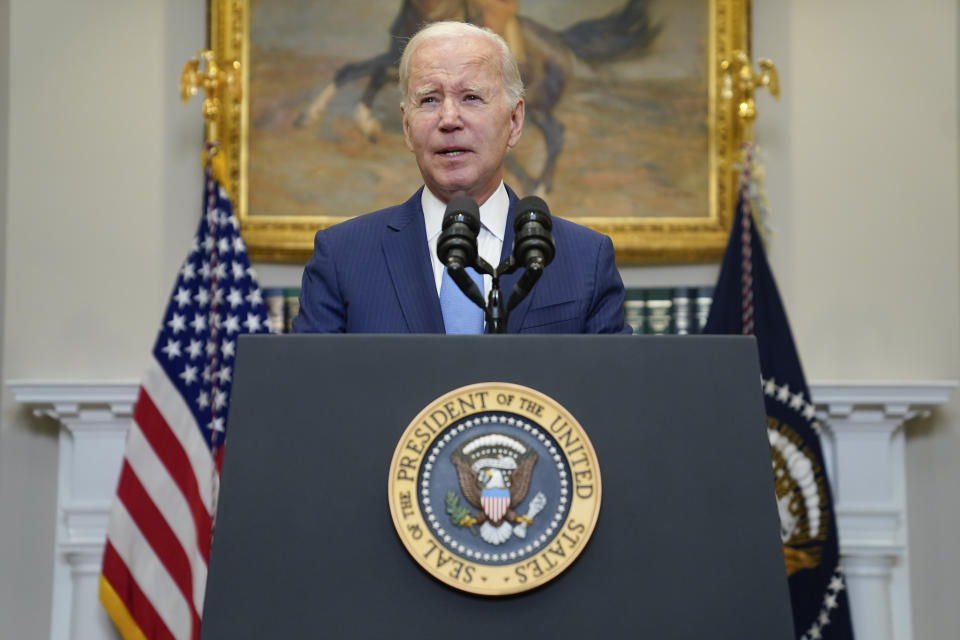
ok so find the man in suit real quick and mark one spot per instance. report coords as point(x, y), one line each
point(462, 110)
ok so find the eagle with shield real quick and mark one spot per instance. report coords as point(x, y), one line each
point(494, 471)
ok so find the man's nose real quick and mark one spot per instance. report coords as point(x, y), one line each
point(450, 114)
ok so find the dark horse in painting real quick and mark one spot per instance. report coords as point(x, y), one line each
point(545, 57)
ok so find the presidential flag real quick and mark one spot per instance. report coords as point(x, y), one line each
point(746, 302)
point(158, 538)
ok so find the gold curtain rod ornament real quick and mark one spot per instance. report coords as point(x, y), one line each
point(217, 81)
point(740, 82)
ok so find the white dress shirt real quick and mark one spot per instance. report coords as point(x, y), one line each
point(493, 224)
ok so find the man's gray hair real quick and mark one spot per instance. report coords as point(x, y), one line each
point(509, 72)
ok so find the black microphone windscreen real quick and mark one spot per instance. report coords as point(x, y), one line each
point(531, 206)
point(457, 244)
point(466, 206)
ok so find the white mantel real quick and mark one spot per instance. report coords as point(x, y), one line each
point(863, 440)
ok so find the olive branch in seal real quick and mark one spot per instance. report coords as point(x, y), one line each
point(459, 515)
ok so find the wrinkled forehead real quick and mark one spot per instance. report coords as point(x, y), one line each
point(466, 60)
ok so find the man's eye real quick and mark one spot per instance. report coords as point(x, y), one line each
point(471, 97)
point(428, 100)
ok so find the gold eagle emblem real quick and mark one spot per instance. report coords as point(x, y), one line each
point(494, 473)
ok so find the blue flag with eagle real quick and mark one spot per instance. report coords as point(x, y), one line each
point(746, 301)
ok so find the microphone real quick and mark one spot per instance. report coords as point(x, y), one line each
point(533, 245)
point(457, 244)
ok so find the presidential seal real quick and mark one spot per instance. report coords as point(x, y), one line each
point(494, 489)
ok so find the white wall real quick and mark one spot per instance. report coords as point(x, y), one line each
point(103, 190)
point(933, 450)
point(4, 125)
point(862, 159)
point(5, 586)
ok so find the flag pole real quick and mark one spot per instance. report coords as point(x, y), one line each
point(738, 86)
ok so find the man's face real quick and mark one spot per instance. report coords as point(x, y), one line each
point(456, 119)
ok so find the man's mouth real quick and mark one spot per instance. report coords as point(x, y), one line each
point(452, 152)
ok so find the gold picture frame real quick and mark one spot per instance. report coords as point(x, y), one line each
point(697, 236)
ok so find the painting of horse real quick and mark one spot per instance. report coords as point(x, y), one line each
point(616, 103)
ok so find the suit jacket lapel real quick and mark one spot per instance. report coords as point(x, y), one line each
point(408, 262)
point(515, 319)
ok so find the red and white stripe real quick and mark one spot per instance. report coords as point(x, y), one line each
point(495, 506)
point(158, 538)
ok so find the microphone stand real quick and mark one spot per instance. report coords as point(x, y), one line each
point(495, 313)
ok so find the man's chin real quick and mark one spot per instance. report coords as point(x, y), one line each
point(454, 187)
point(473, 183)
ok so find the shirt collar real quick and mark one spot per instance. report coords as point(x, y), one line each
point(493, 212)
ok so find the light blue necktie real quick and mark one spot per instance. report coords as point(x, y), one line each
point(460, 314)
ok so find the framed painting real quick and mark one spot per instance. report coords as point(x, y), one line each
point(625, 132)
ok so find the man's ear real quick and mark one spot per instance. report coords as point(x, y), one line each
point(516, 124)
point(406, 127)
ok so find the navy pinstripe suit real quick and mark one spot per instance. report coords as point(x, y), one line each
point(372, 274)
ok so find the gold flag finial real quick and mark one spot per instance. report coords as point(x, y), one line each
point(740, 81)
point(217, 81)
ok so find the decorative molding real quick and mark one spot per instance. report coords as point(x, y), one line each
point(897, 399)
point(81, 391)
point(863, 441)
point(95, 417)
point(64, 400)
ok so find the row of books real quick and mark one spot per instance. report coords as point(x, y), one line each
point(653, 310)
point(283, 304)
point(667, 310)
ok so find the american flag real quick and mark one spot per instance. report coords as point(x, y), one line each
point(158, 538)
